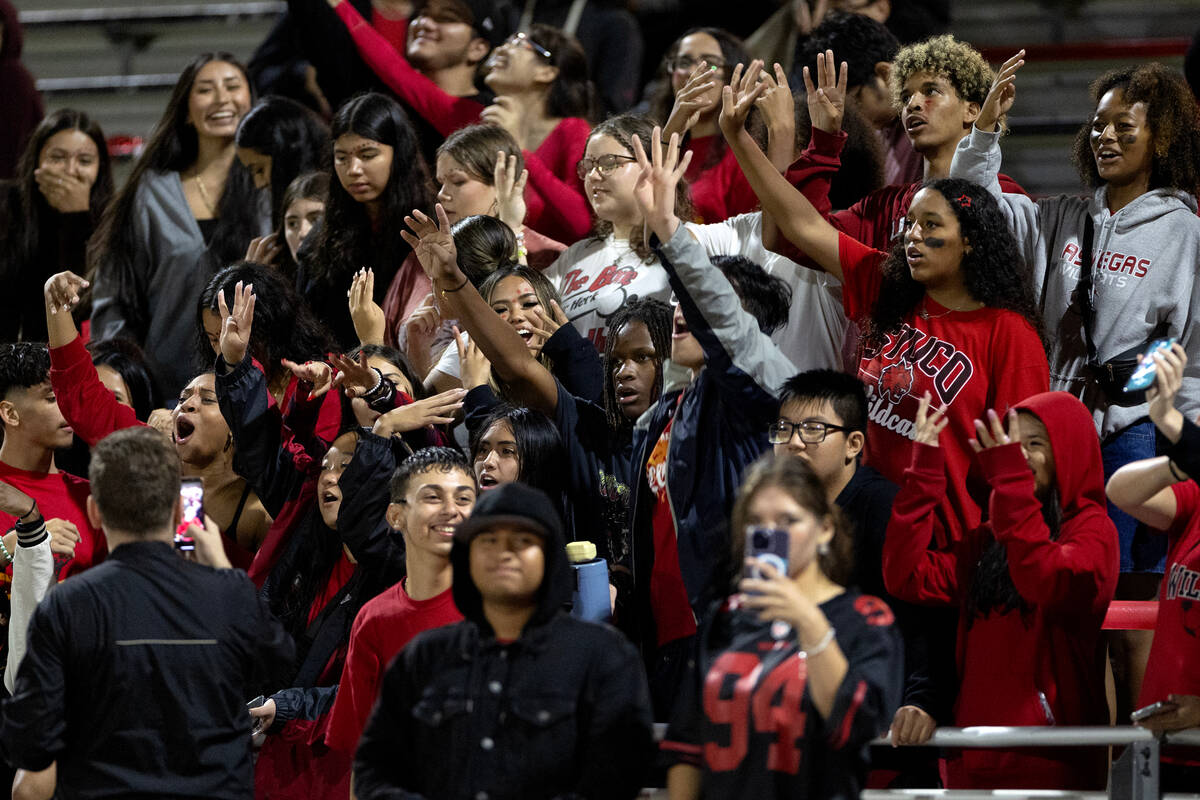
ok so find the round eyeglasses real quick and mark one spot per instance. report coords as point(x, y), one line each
point(605, 163)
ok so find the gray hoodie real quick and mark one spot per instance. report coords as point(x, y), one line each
point(1146, 257)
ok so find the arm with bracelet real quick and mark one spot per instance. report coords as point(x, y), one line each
point(33, 571)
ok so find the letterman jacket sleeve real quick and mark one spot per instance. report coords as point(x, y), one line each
point(749, 368)
point(1075, 573)
point(911, 571)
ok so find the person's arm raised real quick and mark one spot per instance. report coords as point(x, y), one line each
point(510, 357)
point(799, 221)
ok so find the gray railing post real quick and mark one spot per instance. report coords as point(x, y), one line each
point(1134, 775)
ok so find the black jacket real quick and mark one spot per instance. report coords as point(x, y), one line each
point(137, 676)
point(561, 712)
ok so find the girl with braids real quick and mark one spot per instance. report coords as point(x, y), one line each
point(1032, 584)
point(188, 208)
point(377, 176)
point(599, 441)
point(949, 311)
point(63, 184)
point(598, 275)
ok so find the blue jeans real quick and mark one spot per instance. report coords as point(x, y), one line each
point(1142, 550)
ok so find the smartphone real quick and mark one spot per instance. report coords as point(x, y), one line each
point(1145, 712)
point(1143, 376)
point(256, 725)
point(769, 545)
point(191, 491)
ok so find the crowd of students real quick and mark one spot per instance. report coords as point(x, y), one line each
point(468, 308)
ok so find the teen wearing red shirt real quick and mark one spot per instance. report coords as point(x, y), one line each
point(949, 311)
point(1032, 584)
point(432, 491)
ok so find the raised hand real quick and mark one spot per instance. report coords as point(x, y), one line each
point(236, 324)
point(163, 421)
point(433, 245)
point(827, 100)
point(548, 322)
point(1002, 95)
point(474, 369)
point(355, 377)
point(739, 97)
point(693, 100)
point(318, 374)
point(365, 313)
point(929, 424)
point(62, 291)
point(510, 191)
point(436, 410)
point(776, 103)
point(806, 19)
point(655, 187)
point(993, 434)
point(264, 249)
point(65, 193)
point(1168, 380)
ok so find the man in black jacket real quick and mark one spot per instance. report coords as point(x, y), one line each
point(137, 671)
point(520, 700)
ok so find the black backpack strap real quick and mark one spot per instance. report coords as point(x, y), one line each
point(1084, 288)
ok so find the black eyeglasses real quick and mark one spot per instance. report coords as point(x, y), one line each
point(605, 163)
point(521, 39)
point(811, 431)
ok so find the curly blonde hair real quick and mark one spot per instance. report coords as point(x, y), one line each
point(946, 56)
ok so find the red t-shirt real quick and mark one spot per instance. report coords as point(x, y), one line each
point(381, 630)
point(1171, 668)
point(969, 360)
point(719, 191)
point(673, 615)
point(59, 496)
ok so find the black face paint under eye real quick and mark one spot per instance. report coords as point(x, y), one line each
point(934, 242)
point(1127, 138)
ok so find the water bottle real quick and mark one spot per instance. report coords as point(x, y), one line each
point(590, 598)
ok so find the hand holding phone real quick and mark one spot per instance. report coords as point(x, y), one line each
point(769, 545)
point(1143, 376)
point(1154, 709)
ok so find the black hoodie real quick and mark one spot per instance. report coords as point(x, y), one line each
point(561, 712)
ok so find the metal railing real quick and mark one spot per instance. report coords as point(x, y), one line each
point(167, 13)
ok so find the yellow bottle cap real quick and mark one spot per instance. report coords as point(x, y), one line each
point(578, 552)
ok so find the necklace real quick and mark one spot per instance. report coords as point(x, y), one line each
point(204, 196)
point(924, 313)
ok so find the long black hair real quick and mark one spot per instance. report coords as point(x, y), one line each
point(173, 147)
point(539, 447)
point(284, 327)
point(34, 216)
point(347, 241)
point(296, 139)
point(993, 271)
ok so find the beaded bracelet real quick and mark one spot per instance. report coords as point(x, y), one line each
point(4, 549)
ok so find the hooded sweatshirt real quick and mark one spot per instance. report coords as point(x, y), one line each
point(23, 108)
point(561, 711)
point(1043, 665)
point(1144, 256)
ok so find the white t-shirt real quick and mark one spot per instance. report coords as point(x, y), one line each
point(816, 327)
point(595, 277)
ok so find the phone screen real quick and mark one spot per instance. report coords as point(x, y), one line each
point(191, 491)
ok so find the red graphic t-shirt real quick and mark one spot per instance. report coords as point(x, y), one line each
point(673, 615)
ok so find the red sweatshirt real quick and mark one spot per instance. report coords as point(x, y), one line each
point(59, 496)
point(554, 197)
point(720, 191)
point(969, 360)
point(1175, 653)
point(1040, 667)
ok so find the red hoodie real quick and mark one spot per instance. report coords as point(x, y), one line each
point(1044, 666)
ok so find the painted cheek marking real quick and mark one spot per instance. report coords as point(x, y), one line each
point(1128, 138)
point(934, 242)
